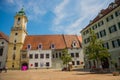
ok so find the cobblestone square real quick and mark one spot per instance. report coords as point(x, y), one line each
point(52, 74)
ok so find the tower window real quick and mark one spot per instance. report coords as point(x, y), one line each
point(15, 41)
point(14, 56)
point(16, 34)
point(14, 48)
point(19, 19)
point(1, 51)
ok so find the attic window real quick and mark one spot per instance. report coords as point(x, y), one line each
point(74, 44)
point(28, 46)
point(40, 46)
point(52, 46)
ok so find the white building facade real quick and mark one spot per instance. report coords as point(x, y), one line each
point(107, 28)
point(3, 49)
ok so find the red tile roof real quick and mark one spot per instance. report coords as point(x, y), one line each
point(60, 41)
point(104, 12)
point(69, 40)
point(3, 36)
point(45, 40)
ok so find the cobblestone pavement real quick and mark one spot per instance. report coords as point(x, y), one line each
point(52, 74)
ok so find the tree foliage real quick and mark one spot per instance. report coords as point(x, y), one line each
point(66, 58)
point(95, 50)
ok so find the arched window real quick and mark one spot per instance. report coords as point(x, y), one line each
point(40, 46)
point(28, 46)
point(52, 46)
point(74, 44)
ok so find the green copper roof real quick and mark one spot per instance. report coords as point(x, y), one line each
point(21, 12)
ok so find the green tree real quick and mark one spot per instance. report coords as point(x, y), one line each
point(95, 50)
point(66, 57)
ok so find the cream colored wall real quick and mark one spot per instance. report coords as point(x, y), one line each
point(115, 52)
point(19, 43)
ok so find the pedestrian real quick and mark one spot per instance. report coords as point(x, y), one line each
point(5, 68)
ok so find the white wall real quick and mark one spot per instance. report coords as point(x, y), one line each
point(39, 60)
point(5, 49)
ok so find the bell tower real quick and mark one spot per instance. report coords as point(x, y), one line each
point(16, 40)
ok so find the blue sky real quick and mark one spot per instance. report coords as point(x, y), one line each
point(51, 16)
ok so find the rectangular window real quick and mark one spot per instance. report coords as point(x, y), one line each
point(36, 64)
point(78, 62)
point(56, 55)
point(97, 34)
point(1, 51)
point(36, 56)
point(47, 55)
point(42, 56)
point(109, 18)
point(116, 43)
point(112, 29)
point(47, 64)
point(0, 64)
point(119, 25)
point(102, 33)
point(94, 27)
point(106, 45)
point(72, 54)
point(31, 56)
point(117, 13)
point(60, 54)
point(53, 56)
point(100, 23)
point(87, 31)
point(73, 63)
point(77, 54)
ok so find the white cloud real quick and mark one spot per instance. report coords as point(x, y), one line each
point(86, 10)
point(59, 11)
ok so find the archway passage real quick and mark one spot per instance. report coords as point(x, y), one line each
point(24, 66)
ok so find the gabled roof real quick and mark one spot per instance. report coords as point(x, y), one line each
point(3, 36)
point(104, 12)
point(69, 39)
point(59, 41)
point(45, 40)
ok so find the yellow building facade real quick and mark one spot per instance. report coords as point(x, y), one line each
point(16, 40)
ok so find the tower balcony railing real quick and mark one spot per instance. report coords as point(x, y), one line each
point(17, 28)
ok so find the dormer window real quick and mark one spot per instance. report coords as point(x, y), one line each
point(74, 44)
point(40, 46)
point(52, 46)
point(28, 46)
